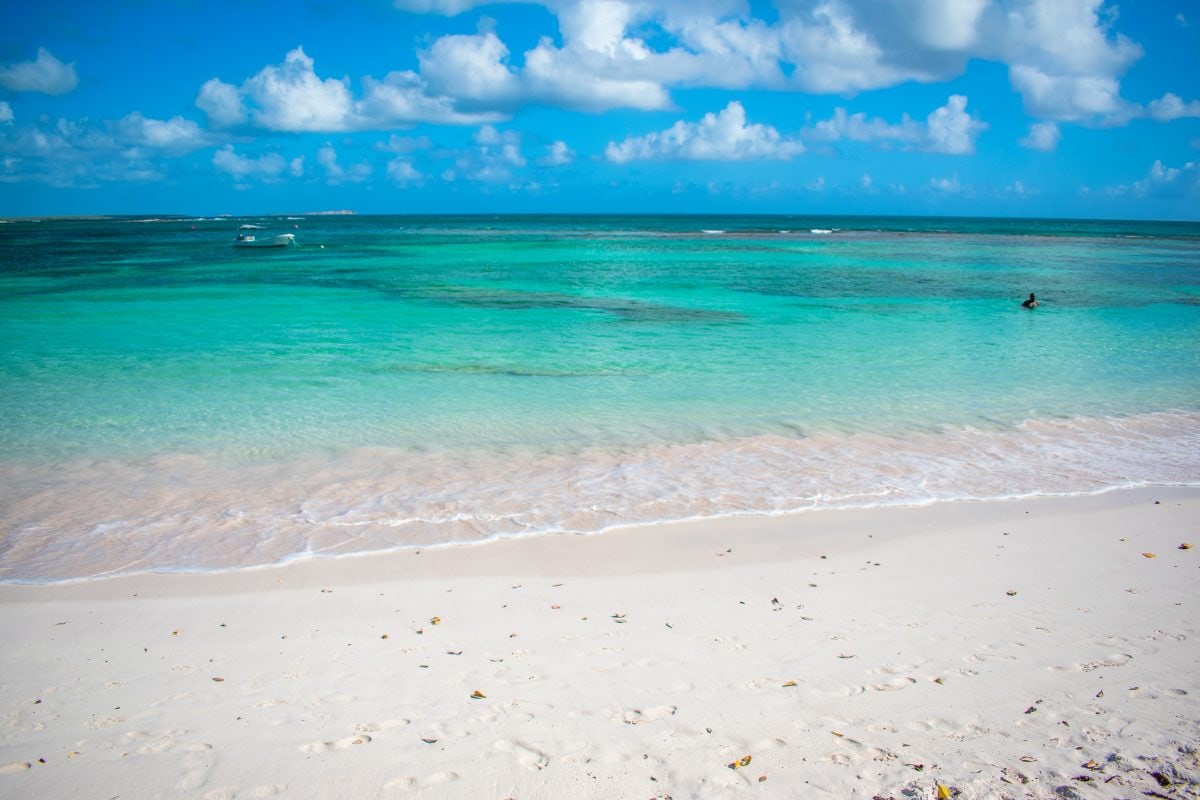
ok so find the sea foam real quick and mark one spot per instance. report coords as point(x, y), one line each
point(181, 512)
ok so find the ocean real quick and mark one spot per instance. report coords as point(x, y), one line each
point(171, 403)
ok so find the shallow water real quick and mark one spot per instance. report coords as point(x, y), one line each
point(172, 403)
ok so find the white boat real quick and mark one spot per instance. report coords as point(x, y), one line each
point(247, 238)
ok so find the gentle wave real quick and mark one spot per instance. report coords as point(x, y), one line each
point(192, 513)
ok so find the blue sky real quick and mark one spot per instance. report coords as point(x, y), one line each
point(976, 107)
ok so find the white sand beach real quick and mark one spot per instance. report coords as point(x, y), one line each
point(1041, 648)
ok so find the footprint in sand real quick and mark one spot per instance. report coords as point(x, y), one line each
point(1118, 660)
point(894, 684)
point(103, 722)
point(894, 669)
point(526, 755)
point(192, 779)
point(340, 744)
point(435, 779)
point(375, 727)
point(638, 716)
point(989, 654)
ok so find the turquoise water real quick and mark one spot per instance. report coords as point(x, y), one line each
point(169, 402)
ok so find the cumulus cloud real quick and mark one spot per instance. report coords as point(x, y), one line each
point(495, 157)
point(472, 69)
point(46, 74)
point(859, 128)
point(1041, 136)
point(1067, 97)
point(1164, 181)
point(724, 136)
point(1170, 106)
point(401, 98)
point(403, 172)
point(290, 97)
point(73, 153)
point(404, 144)
point(335, 173)
point(947, 185)
point(1063, 58)
point(222, 103)
point(266, 167)
point(175, 135)
point(558, 154)
point(948, 129)
point(327, 158)
point(447, 8)
point(6, 113)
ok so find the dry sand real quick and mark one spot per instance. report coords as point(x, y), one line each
point(1026, 648)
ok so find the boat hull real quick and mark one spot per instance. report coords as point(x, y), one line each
point(282, 240)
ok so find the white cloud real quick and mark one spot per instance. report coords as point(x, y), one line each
point(404, 144)
point(717, 137)
point(447, 8)
point(558, 154)
point(948, 129)
point(859, 128)
point(866, 182)
point(401, 99)
point(327, 158)
point(1041, 136)
point(46, 74)
point(335, 173)
point(403, 172)
point(494, 158)
point(81, 153)
point(1164, 181)
point(267, 166)
point(222, 103)
point(472, 69)
point(1170, 106)
point(593, 81)
point(1062, 57)
point(832, 54)
point(290, 97)
point(816, 186)
point(948, 185)
point(1067, 97)
point(176, 135)
point(296, 167)
point(6, 113)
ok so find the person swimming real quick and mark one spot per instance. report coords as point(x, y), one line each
point(1031, 302)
